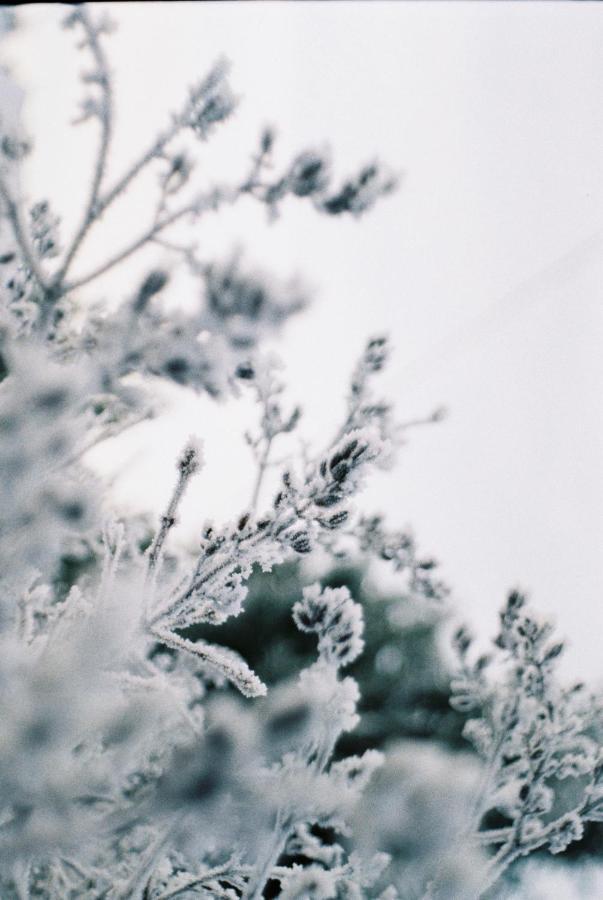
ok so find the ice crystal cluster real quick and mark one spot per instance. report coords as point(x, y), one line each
point(136, 760)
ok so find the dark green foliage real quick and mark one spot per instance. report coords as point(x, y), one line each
point(402, 678)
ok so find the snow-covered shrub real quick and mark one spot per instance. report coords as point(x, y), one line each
point(138, 760)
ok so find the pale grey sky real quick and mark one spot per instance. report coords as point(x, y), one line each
point(486, 267)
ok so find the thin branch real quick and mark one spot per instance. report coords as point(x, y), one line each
point(168, 519)
point(264, 867)
point(262, 466)
point(153, 152)
point(189, 463)
point(187, 253)
point(507, 854)
point(13, 215)
point(195, 208)
point(137, 882)
point(98, 204)
point(512, 849)
point(226, 872)
point(493, 836)
point(111, 431)
point(113, 537)
point(92, 210)
point(229, 664)
point(131, 248)
point(198, 580)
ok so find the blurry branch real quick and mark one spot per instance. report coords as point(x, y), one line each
point(272, 423)
point(13, 214)
point(104, 112)
point(262, 466)
point(111, 431)
point(185, 118)
point(209, 102)
point(210, 201)
point(113, 540)
point(515, 847)
point(229, 874)
point(136, 885)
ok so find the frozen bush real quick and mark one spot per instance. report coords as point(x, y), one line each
point(138, 759)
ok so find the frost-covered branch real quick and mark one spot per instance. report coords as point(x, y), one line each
point(188, 464)
point(273, 422)
point(209, 103)
point(103, 111)
point(12, 210)
point(202, 203)
point(533, 735)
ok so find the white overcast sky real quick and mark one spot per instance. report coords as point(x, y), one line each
point(486, 267)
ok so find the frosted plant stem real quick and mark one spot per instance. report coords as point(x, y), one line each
point(111, 560)
point(219, 659)
point(168, 520)
point(179, 121)
point(151, 153)
point(492, 836)
point(224, 873)
point(135, 887)
point(283, 826)
point(91, 213)
point(13, 215)
point(500, 862)
point(198, 581)
point(189, 209)
point(477, 809)
point(188, 465)
point(255, 888)
point(263, 465)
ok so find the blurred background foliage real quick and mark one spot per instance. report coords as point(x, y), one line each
point(402, 676)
